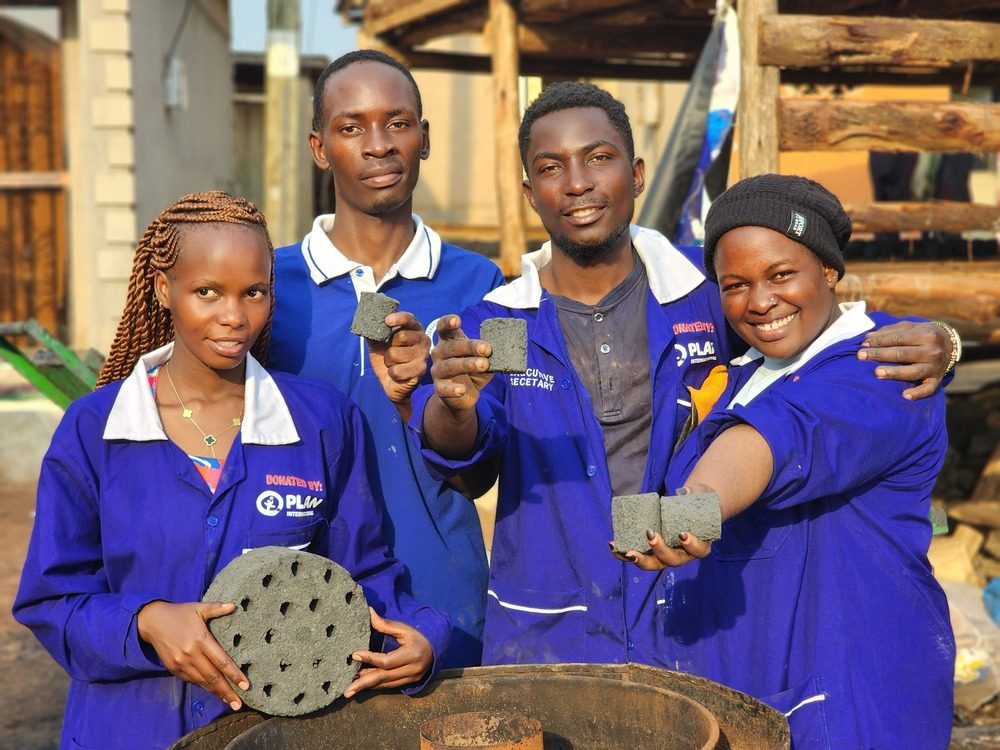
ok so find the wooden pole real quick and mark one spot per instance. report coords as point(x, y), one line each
point(757, 112)
point(506, 119)
point(283, 134)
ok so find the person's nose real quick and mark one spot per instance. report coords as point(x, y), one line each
point(232, 313)
point(378, 144)
point(578, 179)
point(762, 298)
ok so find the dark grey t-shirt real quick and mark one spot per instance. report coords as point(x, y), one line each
point(609, 349)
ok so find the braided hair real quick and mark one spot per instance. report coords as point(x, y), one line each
point(146, 325)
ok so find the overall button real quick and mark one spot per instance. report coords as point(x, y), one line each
point(605, 348)
point(630, 644)
point(197, 707)
point(565, 384)
point(212, 521)
point(591, 471)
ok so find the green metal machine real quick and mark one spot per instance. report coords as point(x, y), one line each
point(51, 367)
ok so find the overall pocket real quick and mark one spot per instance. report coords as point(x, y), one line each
point(525, 626)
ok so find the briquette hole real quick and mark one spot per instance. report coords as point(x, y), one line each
point(267, 580)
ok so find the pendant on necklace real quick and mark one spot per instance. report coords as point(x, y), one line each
point(210, 440)
point(237, 421)
point(186, 414)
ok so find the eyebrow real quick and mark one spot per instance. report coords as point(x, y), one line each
point(583, 150)
point(358, 115)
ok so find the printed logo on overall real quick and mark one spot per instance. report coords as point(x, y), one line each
point(296, 498)
point(695, 348)
point(533, 378)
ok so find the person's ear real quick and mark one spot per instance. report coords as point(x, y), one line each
point(831, 275)
point(161, 288)
point(316, 147)
point(529, 194)
point(638, 176)
point(425, 147)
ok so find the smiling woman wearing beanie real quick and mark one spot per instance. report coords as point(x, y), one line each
point(818, 598)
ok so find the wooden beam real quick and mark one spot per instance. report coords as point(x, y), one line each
point(536, 66)
point(506, 120)
point(812, 41)
point(932, 216)
point(961, 293)
point(828, 125)
point(34, 180)
point(384, 17)
point(586, 40)
point(563, 11)
point(982, 74)
point(471, 21)
point(282, 121)
point(757, 111)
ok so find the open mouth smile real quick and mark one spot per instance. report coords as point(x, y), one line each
point(584, 214)
point(775, 325)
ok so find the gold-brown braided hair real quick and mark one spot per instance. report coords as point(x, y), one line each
point(145, 325)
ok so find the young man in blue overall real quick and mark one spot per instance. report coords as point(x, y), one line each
point(626, 350)
point(369, 132)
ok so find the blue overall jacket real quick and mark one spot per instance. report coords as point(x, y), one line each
point(429, 527)
point(819, 598)
point(123, 518)
point(556, 593)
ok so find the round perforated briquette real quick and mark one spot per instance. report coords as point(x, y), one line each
point(298, 619)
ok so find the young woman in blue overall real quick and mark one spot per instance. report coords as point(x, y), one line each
point(819, 598)
point(187, 455)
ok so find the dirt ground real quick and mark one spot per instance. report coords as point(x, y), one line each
point(35, 687)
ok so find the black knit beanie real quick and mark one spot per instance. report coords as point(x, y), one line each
point(796, 207)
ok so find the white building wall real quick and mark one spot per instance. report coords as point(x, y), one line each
point(130, 155)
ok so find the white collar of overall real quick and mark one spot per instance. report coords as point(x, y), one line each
point(852, 322)
point(419, 260)
point(671, 275)
point(266, 419)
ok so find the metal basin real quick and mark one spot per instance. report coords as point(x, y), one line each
point(580, 706)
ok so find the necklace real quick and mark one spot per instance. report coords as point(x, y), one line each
point(207, 438)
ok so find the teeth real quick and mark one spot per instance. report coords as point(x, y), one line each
point(774, 325)
point(582, 212)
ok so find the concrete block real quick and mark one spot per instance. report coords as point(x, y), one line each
point(119, 225)
point(298, 619)
point(698, 514)
point(118, 73)
point(509, 339)
point(631, 515)
point(369, 317)
point(120, 148)
point(111, 111)
point(110, 34)
point(115, 263)
point(114, 188)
